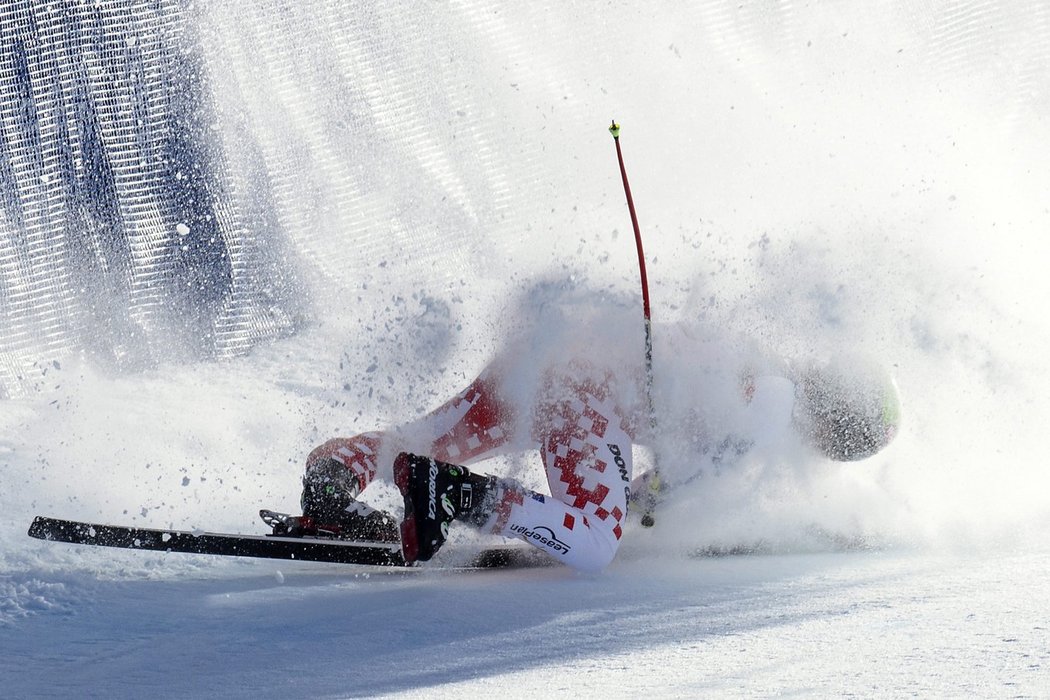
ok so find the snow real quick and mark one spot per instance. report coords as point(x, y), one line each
point(868, 624)
point(819, 179)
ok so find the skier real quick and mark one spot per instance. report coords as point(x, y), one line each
point(584, 421)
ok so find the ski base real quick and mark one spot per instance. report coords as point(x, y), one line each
point(314, 549)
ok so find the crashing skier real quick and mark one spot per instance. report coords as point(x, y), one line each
point(584, 418)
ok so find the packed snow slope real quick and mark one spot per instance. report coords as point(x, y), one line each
point(822, 180)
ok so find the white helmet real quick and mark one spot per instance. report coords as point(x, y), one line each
point(849, 409)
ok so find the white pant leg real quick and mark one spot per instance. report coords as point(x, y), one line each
point(587, 455)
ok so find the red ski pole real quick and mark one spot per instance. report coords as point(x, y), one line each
point(653, 482)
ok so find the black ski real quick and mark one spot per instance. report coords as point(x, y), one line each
point(261, 546)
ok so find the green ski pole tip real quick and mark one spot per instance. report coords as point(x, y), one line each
point(615, 130)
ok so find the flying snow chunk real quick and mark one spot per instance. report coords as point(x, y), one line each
point(182, 229)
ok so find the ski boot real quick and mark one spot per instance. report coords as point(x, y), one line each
point(331, 509)
point(436, 493)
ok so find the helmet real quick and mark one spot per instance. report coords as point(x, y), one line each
point(849, 409)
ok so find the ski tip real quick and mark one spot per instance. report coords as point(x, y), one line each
point(614, 129)
point(38, 528)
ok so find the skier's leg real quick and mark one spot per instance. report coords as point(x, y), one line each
point(472, 425)
point(587, 453)
point(586, 448)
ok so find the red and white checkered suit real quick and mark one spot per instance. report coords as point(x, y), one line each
point(583, 438)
